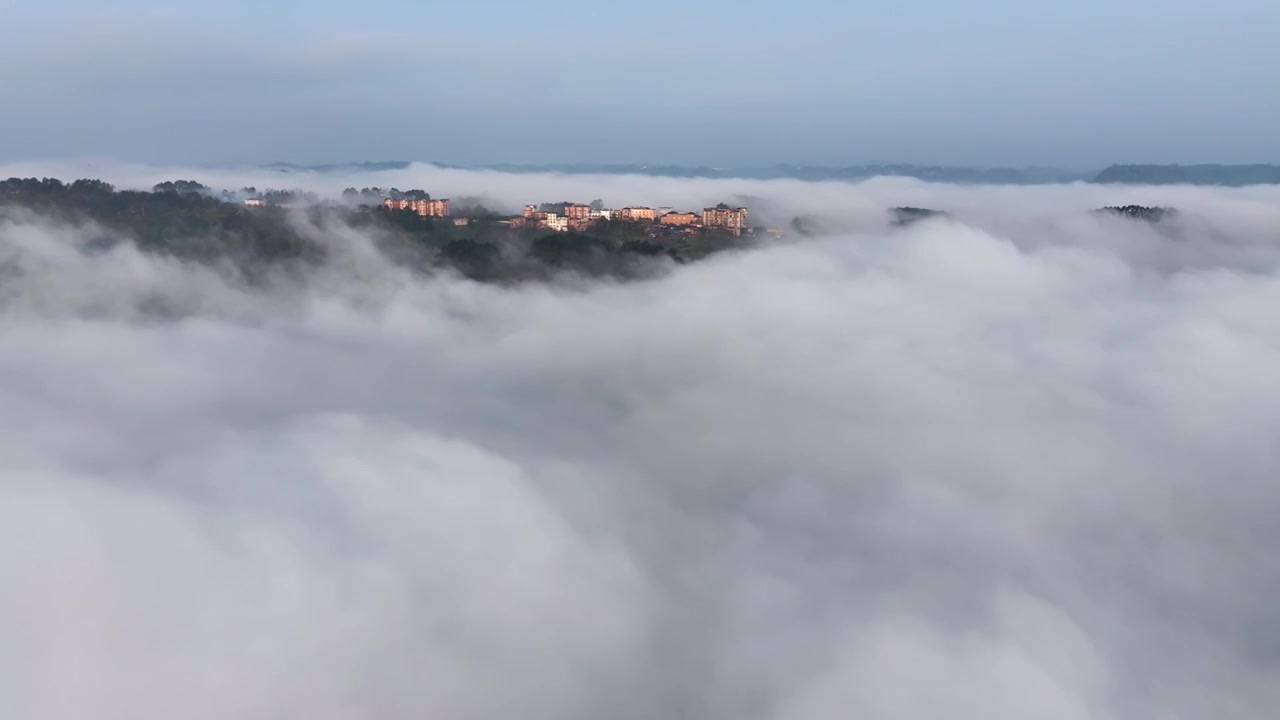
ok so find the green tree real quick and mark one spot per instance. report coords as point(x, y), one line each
point(475, 260)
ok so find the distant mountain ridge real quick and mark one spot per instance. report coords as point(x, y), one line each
point(1227, 175)
point(932, 173)
point(341, 167)
point(1231, 175)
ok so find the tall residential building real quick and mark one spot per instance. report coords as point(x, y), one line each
point(425, 208)
point(577, 212)
point(723, 216)
point(559, 223)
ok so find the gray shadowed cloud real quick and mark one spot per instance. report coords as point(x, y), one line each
point(1018, 463)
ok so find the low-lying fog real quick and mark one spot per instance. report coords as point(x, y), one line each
point(1019, 462)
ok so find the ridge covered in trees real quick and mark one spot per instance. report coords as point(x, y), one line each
point(1139, 212)
point(190, 221)
point(187, 220)
point(181, 219)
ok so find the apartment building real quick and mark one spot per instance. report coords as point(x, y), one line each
point(723, 216)
point(679, 219)
point(638, 214)
point(577, 212)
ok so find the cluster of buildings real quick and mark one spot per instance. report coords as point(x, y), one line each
point(573, 217)
point(576, 217)
point(425, 208)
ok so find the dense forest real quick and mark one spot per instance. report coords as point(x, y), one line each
point(180, 218)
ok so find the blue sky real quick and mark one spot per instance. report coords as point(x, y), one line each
point(1078, 84)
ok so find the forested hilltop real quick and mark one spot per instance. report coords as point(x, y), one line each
point(187, 220)
point(182, 219)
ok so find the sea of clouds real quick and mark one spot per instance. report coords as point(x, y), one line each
point(1020, 462)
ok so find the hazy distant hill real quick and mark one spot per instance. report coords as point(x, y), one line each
point(1190, 175)
point(933, 173)
point(340, 167)
point(1125, 174)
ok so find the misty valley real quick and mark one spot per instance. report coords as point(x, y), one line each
point(676, 360)
point(564, 446)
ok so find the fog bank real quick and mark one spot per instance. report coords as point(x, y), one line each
point(1015, 463)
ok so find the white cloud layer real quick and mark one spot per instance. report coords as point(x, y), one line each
point(1020, 464)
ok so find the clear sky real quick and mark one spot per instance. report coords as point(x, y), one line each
point(1078, 83)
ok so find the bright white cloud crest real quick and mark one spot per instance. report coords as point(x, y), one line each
point(1017, 464)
